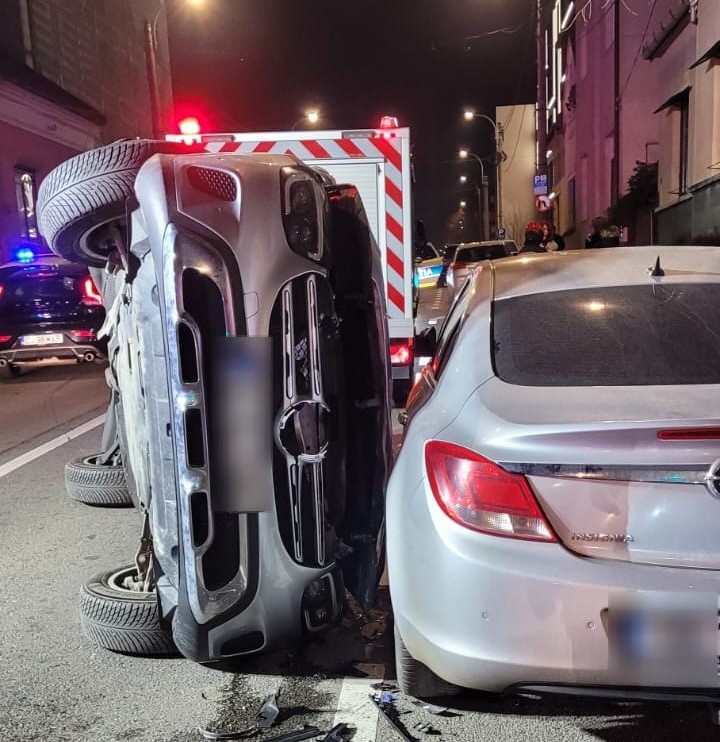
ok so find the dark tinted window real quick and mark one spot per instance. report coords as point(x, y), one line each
point(481, 252)
point(425, 252)
point(451, 327)
point(615, 336)
point(40, 281)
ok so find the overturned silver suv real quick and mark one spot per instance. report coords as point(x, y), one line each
point(248, 358)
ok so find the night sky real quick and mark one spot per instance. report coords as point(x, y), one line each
point(256, 65)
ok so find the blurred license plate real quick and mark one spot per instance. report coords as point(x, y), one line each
point(664, 639)
point(243, 432)
point(41, 339)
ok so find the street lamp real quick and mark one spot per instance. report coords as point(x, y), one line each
point(150, 39)
point(470, 115)
point(482, 192)
point(312, 117)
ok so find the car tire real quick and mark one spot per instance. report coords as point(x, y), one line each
point(92, 483)
point(400, 392)
point(416, 679)
point(123, 620)
point(11, 371)
point(90, 191)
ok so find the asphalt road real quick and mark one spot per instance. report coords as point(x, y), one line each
point(56, 685)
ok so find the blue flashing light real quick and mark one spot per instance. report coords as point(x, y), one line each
point(24, 255)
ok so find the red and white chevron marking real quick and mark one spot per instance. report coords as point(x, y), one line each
point(346, 149)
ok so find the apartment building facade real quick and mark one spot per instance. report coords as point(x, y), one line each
point(73, 75)
point(633, 117)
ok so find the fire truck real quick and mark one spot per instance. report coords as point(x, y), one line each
point(377, 162)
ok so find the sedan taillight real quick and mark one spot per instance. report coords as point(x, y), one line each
point(91, 295)
point(80, 336)
point(478, 494)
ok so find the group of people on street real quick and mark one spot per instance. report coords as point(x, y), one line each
point(543, 237)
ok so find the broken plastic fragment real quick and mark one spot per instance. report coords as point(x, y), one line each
point(431, 708)
point(241, 734)
point(268, 712)
point(307, 732)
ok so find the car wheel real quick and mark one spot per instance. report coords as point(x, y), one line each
point(88, 193)
point(416, 679)
point(93, 483)
point(11, 371)
point(121, 619)
point(400, 391)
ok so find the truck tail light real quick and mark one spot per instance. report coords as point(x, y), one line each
point(400, 354)
point(91, 296)
point(478, 494)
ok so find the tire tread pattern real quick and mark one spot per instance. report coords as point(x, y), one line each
point(416, 679)
point(129, 624)
point(97, 181)
point(96, 485)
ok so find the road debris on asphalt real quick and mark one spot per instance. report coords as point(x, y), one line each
point(339, 733)
point(431, 708)
point(268, 713)
point(241, 734)
point(307, 732)
point(391, 714)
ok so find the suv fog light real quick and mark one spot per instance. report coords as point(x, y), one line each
point(320, 603)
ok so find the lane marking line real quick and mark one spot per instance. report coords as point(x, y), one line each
point(41, 450)
point(355, 707)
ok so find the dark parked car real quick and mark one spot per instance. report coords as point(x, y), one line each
point(50, 310)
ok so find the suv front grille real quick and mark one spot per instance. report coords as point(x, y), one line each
point(308, 453)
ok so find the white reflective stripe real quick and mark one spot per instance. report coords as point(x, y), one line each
point(214, 147)
point(393, 174)
point(41, 450)
point(394, 210)
point(335, 151)
point(355, 707)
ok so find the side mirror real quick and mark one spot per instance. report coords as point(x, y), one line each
point(426, 342)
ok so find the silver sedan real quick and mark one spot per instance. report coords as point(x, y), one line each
point(553, 516)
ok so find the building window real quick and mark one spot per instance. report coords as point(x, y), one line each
point(26, 198)
point(684, 110)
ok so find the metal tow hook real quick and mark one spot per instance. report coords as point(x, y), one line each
point(390, 713)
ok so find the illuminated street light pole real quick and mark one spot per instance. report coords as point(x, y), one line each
point(482, 197)
point(482, 193)
point(312, 117)
point(470, 115)
point(150, 41)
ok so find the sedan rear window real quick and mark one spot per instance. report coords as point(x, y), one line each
point(481, 252)
point(613, 336)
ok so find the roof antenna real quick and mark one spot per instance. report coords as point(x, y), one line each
point(657, 270)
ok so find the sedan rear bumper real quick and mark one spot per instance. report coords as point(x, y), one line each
point(491, 613)
point(34, 354)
